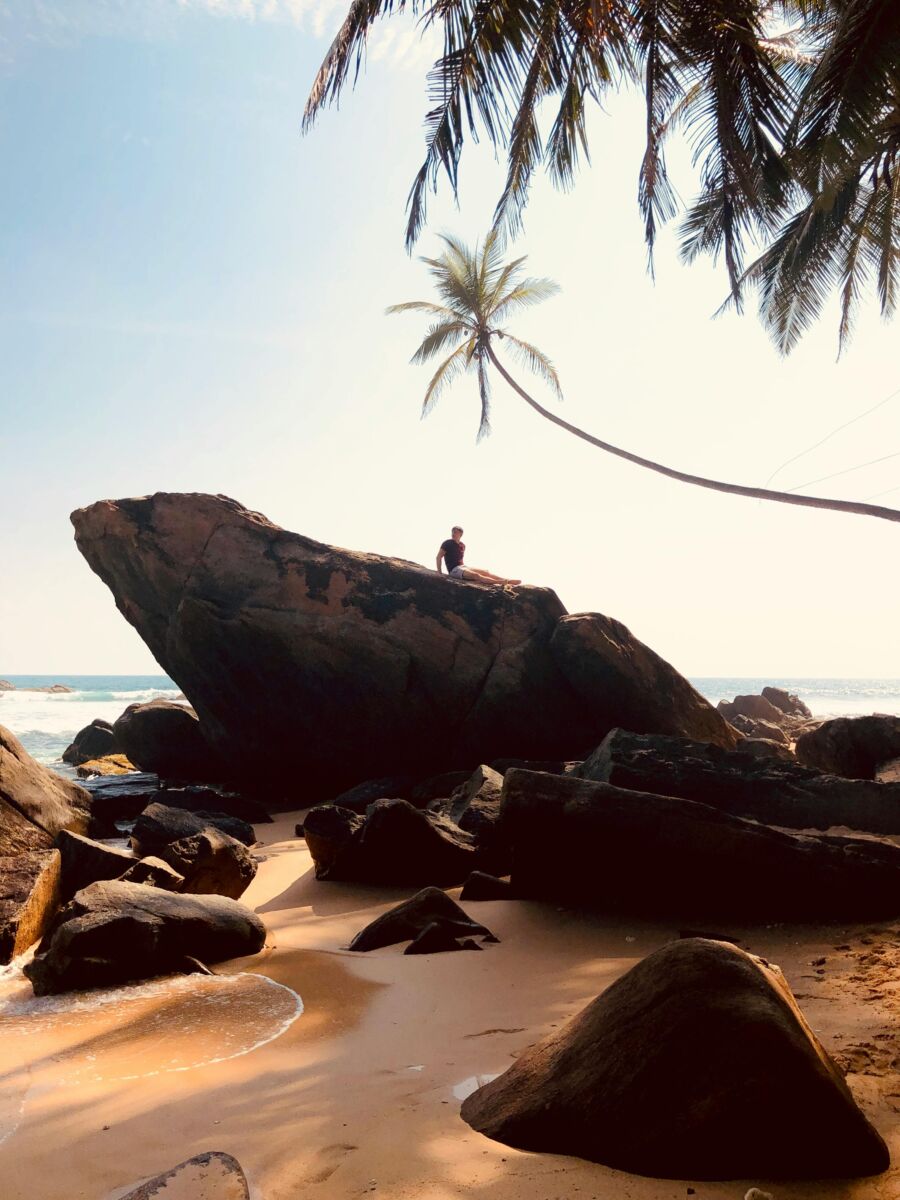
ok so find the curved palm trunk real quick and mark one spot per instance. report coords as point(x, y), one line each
point(736, 489)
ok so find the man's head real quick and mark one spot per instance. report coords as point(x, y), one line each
point(456, 532)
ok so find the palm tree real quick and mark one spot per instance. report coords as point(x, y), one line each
point(796, 136)
point(477, 292)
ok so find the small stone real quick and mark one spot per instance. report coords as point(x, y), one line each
point(756, 1193)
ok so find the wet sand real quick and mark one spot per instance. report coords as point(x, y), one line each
point(360, 1094)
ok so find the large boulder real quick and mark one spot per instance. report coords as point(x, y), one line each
point(116, 932)
point(96, 740)
point(786, 702)
point(696, 1064)
point(580, 842)
point(166, 738)
point(301, 657)
point(851, 746)
point(159, 825)
point(760, 788)
point(29, 898)
point(757, 708)
point(211, 862)
point(396, 844)
point(623, 682)
point(111, 764)
point(35, 802)
point(475, 807)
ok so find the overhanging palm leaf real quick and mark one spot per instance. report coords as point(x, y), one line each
point(483, 289)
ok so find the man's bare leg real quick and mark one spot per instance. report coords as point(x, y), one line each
point(488, 576)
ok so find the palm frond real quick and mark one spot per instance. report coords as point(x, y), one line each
point(440, 335)
point(444, 375)
point(523, 295)
point(536, 361)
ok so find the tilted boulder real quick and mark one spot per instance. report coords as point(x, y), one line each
point(759, 788)
point(211, 862)
point(158, 826)
point(329, 831)
point(757, 708)
point(615, 850)
point(111, 764)
point(438, 939)
point(84, 861)
point(481, 886)
point(854, 747)
point(389, 787)
point(116, 932)
point(623, 682)
point(96, 740)
point(35, 802)
point(430, 907)
point(696, 1064)
point(396, 844)
point(763, 748)
point(29, 898)
point(155, 873)
point(756, 727)
point(166, 738)
point(299, 656)
point(475, 807)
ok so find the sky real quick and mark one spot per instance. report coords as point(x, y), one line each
point(192, 298)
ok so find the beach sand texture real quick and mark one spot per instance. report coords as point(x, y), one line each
point(360, 1094)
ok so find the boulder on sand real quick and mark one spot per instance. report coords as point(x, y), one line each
point(389, 787)
point(580, 842)
point(696, 1064)
point(299, 656)
point(328, 831)
point(155, 873)
point(430, 907)
point(438, 939)
point(211, 1176)
point(475, 807)
point(158, 826)
point(854, 747)
point(397, 845)
point(115, 932)
point(759, 788)
point(35, 802)
point(482, 886)
point(211, 862)
point(166, 738)
point(96, 740)
point(29, 898)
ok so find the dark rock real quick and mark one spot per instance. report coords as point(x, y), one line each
point(29, 898)
point(115, 932)
point(763, 748)
point(789, 704)
point(154, 873)
point(438, 939)
point(481, 886)
point(211, 862)
point(758, 708)
point(401, 846)
point(390, 787)
point(35, 802)
point(158, 826)
point(228, 804)
point(553, 766)
point(210, 1176)
point(122, 797)
point(437, 787)
point(696, 1064)
point(301, 657)
point(94, 741)
point(166, 738)
point(475, 807)
point(430, 908)
point(623, 682)
point(584, 843)
point(759, 788)
point(328, 831)
point(84, 861)
point(854, 747)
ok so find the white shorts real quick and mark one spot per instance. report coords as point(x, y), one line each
point(458, 573)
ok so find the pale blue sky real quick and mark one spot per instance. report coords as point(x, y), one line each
point(192, 299)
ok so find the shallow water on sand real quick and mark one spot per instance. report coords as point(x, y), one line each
point(131, 1032)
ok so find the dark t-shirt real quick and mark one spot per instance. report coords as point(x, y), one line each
point(454, 552)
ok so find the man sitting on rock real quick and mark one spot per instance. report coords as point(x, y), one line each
point(452, 552)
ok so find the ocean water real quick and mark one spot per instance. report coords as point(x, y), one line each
point(46, 724)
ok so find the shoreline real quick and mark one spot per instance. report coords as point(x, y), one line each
point(357, 1096)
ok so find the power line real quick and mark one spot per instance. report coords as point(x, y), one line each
point(828, 437)
point(846, 471)
point(884, 493)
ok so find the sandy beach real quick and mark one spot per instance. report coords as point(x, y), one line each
point(360, 1094)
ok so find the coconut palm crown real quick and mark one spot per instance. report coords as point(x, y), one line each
point(478, 291)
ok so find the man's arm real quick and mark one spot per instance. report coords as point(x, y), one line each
point(440, 559)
